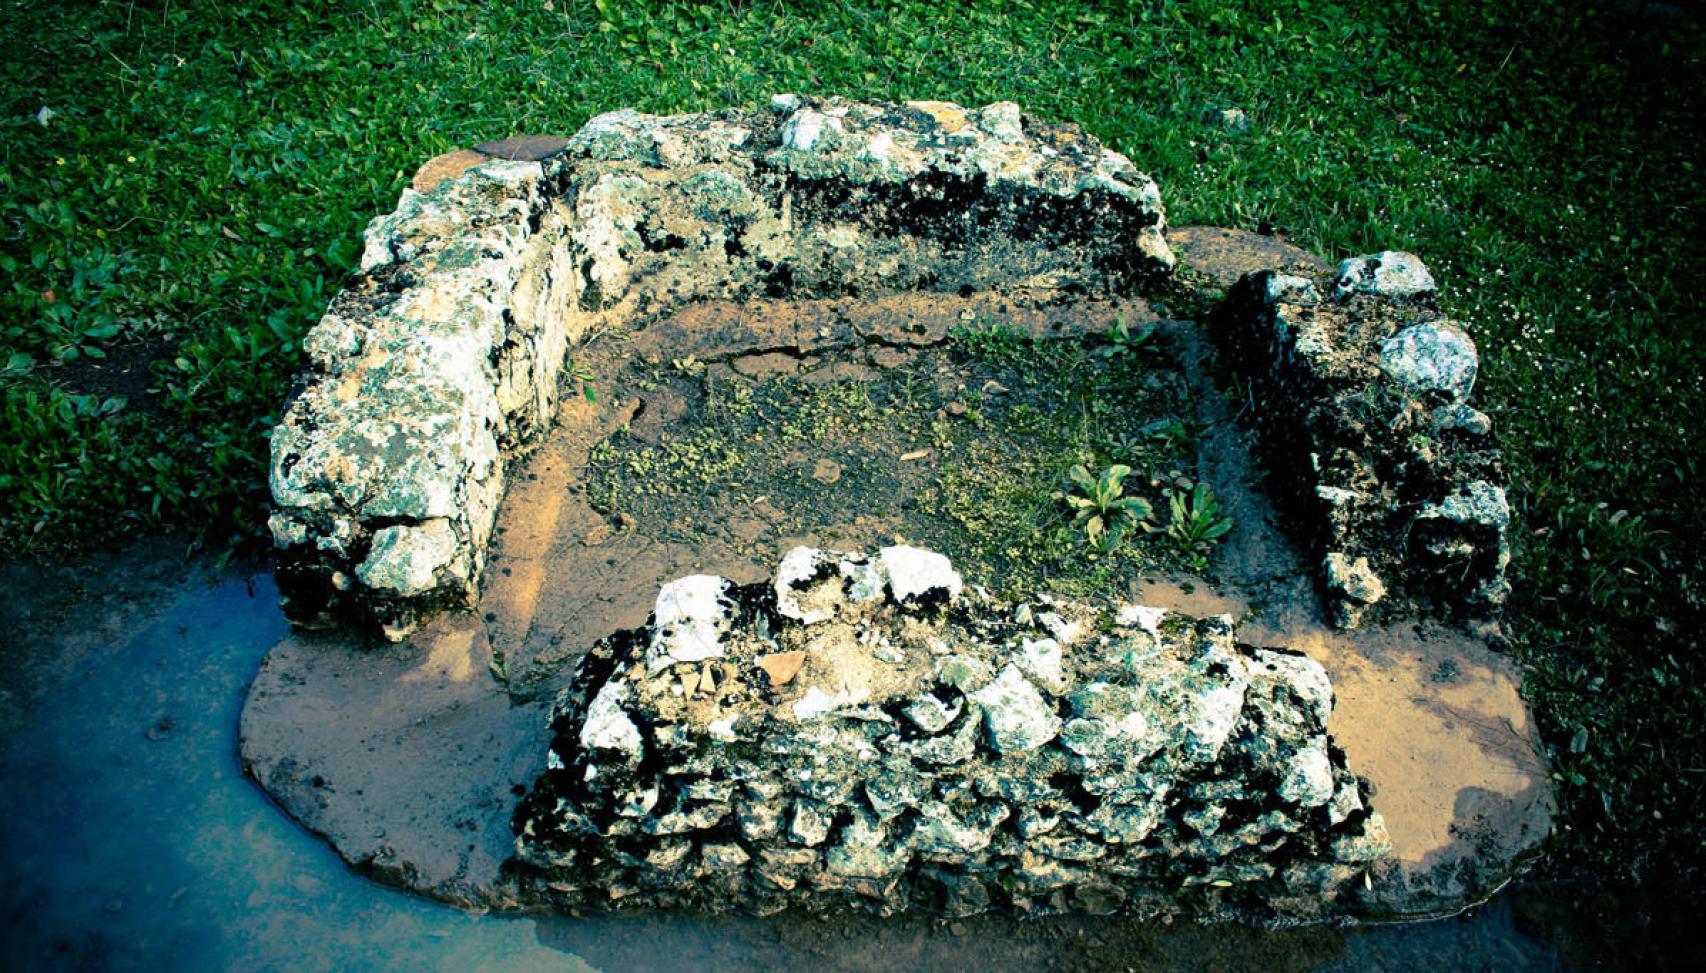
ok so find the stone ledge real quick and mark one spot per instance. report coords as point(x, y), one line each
point(440, 362)
point(869, 733)
point(1361, 389)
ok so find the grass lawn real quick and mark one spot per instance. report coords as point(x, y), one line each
point(183, 185)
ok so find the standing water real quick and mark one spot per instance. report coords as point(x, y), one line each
point(134, 841)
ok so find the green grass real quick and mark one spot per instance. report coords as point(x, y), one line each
point(198, 190)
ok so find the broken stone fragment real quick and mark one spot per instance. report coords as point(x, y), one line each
point(689, 620)
point(724, 855)
point(1015, 715)
point(1479, 503)
point(406, 560)
point(915, 574)
point(1389, 273)
point(1309, 780)
point(807, 587)
point(782, 667)
point(1291, 289)
point(963, 672)
point(954, 747)
point(1463, 418)
point(1436, 356)
point(608, 726)
point(1002, 120)
point(808, 128)
point(931, 714)
point(810, 824)
point(939, 831)
point(1040, 661)
point(1352, 587)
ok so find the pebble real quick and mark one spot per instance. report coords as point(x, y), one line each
point(782, 667)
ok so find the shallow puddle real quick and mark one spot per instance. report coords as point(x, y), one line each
point(134, 841)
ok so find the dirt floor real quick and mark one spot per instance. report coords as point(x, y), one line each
point(716, 440)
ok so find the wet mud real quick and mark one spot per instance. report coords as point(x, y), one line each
point(1430, 716)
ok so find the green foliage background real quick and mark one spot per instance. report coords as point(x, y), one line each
point(195, 191)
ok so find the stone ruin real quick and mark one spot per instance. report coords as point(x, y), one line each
point(1363, 389)
point(440, 362)
point(866, 733)
point(863, 731)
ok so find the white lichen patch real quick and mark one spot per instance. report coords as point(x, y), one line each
point(689, 620)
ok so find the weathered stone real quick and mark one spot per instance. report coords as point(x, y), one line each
point(782, 667)
point(930, 714)
point(1436, 356)
point(885, 787)
point(607, 726)
point(915, 574)
point(1040, 661)
point(1389, 273)
point(810, 823)
point(1461, 417)
point(1015, 714)
point(1352, 586)
point(408, 560)
point(689, 620)
point(1362, 412)
point(439, 364)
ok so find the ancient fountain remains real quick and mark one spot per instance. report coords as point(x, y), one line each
point(506, 697)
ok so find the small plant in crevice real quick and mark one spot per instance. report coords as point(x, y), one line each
point(1196, 520)
point(1125, 344)
point(1102, 508)
point(582, 374)
point(995, 342)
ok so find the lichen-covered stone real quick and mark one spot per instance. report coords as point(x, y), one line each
point(1109, 771)
point(1433, 355)
point(1352, 587)
point(1389, 273)
point(1363, 415)
point(440, 362)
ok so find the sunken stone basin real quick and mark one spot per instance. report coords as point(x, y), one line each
point(768, 693)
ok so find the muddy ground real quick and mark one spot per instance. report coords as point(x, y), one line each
point(138, 843)
point(700, 445)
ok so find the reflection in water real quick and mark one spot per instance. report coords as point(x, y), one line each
point(133, 841)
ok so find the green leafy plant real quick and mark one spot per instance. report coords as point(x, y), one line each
point(1106, 514)
point(1124, 343)
point(1196, 519)
point(995, 342)
point(581, 373)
